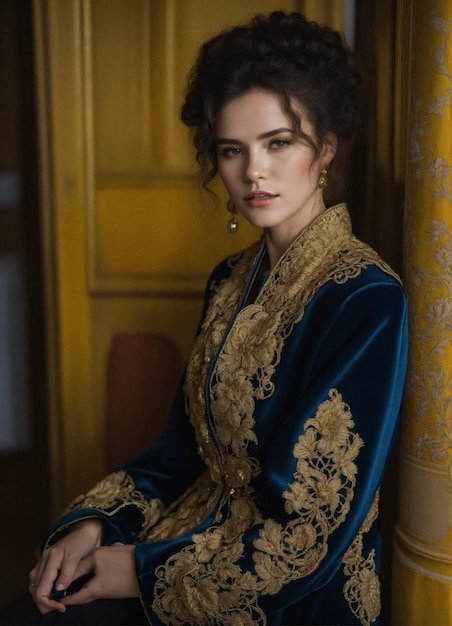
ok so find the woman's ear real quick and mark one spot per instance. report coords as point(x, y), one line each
point(329, 148)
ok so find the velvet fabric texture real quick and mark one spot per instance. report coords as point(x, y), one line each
point(258, 504)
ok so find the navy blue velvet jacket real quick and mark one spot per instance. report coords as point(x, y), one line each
point(257, 504)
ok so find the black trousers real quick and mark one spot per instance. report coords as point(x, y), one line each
point(106, 612)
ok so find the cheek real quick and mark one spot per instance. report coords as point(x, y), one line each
point(227, 172)
point(302, 169)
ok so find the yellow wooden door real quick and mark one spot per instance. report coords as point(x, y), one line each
point(128, 239)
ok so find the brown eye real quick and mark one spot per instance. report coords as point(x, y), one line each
point(230, 152)
point(279, 144)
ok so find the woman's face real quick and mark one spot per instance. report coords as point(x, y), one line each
point(271, 174)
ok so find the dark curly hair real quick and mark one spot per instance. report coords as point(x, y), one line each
point(300, 61)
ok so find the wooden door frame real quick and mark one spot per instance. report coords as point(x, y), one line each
point(66, 176)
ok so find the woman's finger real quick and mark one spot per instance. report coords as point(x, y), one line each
point(85, 566)
point(87, 593)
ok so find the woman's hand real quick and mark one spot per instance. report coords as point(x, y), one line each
point(114, 575)
point(58, 564)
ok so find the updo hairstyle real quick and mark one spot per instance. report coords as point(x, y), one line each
point(283, 53)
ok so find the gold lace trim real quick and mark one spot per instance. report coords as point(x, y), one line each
point(115, 492)
point(362, 589)
point(188, 511)
point(204, 582)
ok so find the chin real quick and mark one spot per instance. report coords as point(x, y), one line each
point(260, 221)
point(260, 224)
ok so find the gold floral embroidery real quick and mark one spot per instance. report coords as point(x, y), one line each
point(115, 492)
point(187, 512)
point(204, 582)
point(238, 401)
point(201, 584)
point(362, 589)
point(320, 497)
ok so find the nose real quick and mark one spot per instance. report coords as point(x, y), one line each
point(256, 168)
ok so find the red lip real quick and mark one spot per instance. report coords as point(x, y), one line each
point(260, 195)
point(260, 199)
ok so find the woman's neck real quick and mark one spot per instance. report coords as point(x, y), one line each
point(279, 238)
point(278, 242)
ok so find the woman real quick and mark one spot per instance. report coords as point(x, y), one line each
point(258, 503)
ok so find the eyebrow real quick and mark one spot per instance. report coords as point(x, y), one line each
point(270, 133)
